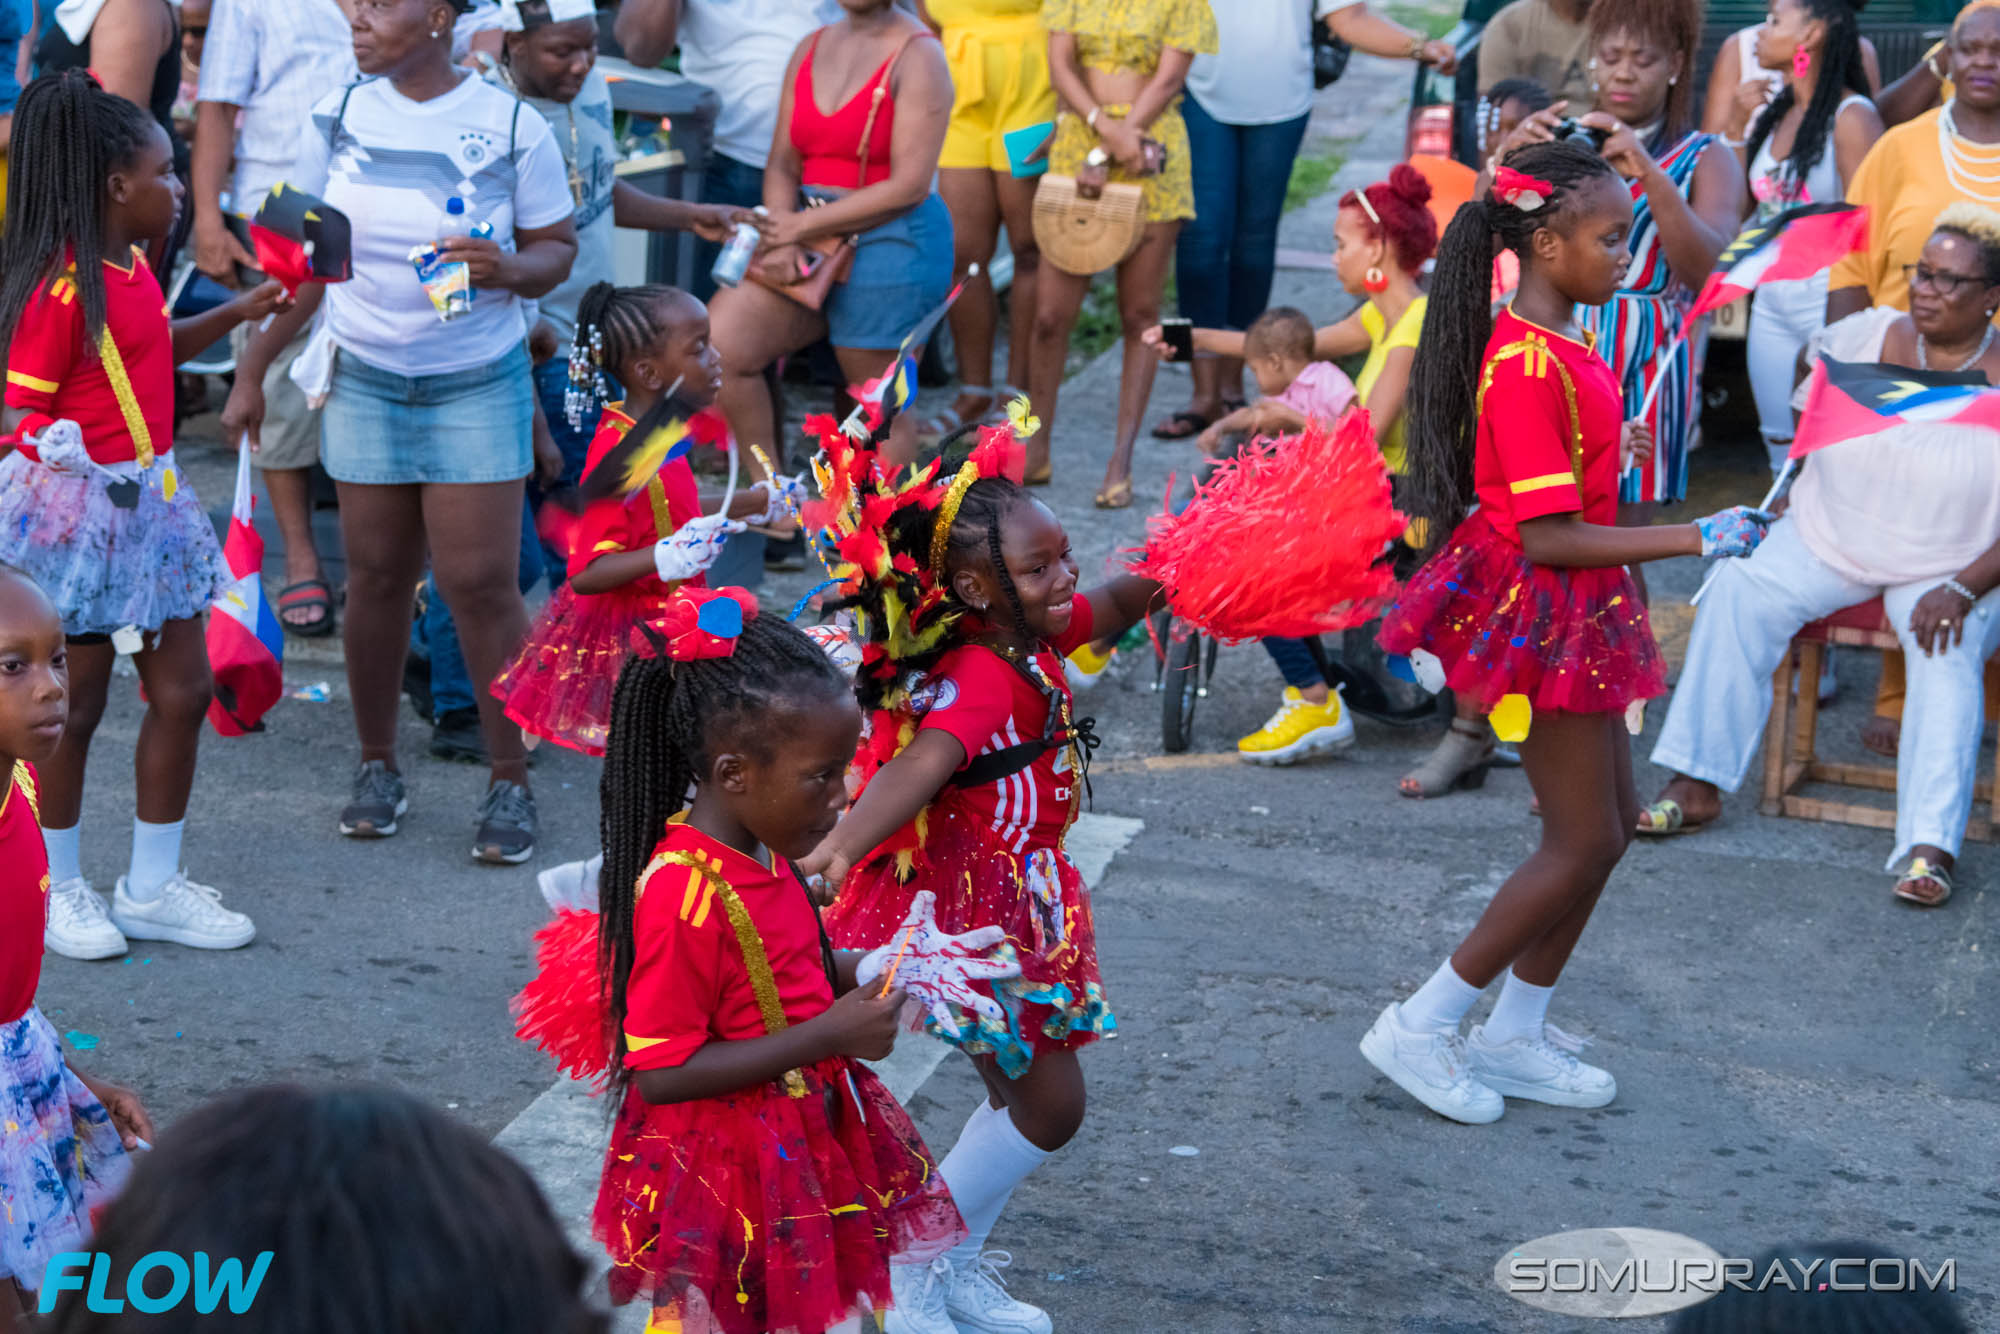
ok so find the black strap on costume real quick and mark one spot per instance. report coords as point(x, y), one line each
point(995, 765)
point(825, 941)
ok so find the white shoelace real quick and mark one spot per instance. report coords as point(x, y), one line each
point(928, 1299)
point(203, 902)
point(77, 905)
point(985, 1273)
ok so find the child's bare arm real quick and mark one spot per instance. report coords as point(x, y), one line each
point(1117, 606)
point(861, 1023)
point(904, 786)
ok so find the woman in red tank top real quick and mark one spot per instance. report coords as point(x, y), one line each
point(862, 121)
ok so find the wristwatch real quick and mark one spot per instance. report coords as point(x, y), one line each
point(1417, 45)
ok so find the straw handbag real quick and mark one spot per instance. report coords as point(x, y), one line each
point(1086, 236)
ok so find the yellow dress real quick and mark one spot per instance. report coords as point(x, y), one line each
point(998, 54)
point(1129, 35)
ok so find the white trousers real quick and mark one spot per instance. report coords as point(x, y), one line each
point(1741, 633)
point(1783, 316)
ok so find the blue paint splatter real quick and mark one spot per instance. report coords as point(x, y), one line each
point(81, 1041)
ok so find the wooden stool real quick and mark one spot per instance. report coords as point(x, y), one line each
point(1789, 760)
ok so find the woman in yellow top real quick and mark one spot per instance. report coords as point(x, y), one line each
point(1914, 170)
point(998, 53)
point(1118, 66)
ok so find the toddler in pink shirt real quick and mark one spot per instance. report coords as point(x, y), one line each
point(1294, 388)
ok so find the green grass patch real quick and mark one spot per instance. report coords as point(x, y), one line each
point(1432, 23)
point(1312, 173)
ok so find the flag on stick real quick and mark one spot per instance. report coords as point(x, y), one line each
point(877, 401)
point(246, 645)
point(1798, 243)
point(1850, 399)
point(300, 238)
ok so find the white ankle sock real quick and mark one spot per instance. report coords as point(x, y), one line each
point(156, 856)
point(982, 1169)
point(1439, 1004)
point(1519, 1011)
point(65, 853)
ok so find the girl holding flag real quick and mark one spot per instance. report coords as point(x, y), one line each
point(1909, 512)
point(91, 504)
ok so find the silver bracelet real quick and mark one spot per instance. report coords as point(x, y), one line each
point(1961, 590)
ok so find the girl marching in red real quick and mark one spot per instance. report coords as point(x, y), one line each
point(626, 554)
point(1528, 609)
point(63, 1153)
point(759, 1177)
point(968, 602)
point(91, 504)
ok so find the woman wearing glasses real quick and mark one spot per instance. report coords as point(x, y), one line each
point(1910, 514)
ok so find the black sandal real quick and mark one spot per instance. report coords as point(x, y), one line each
point(307, 595)
point(1183, 425)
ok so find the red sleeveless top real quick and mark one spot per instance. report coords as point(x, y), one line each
point(830, 146)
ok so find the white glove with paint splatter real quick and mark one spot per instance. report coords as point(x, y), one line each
point(937, 968)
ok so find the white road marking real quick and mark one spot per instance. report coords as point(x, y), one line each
point(560, 1136)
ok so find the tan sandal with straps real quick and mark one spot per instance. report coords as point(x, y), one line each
point(1462, 757)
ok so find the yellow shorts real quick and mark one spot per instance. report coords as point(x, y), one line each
point(1000, 68)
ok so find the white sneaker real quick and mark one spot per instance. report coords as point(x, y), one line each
point(1430, 1067)
point(78, 926)
point(573, 885)
point(977, 1301)
point(185, 913)
point(918, 1294)
point(1543, 1069)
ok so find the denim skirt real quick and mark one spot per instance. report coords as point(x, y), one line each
point(381, 428)
point(902, 271)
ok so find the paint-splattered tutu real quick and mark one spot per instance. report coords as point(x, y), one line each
point(1038, 897)
point(1574, 640)
point(760, 1211)
point(60, 1156)
point(105, 567)
point(560, 684)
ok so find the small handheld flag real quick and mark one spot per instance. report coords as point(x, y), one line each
point(300, 238)
point(246, 645)
point(877, 401)
point(1798, 243)
point(1850, 399)
point(667, 432)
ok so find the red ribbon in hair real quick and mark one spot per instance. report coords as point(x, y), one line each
point(697, 623)
point(1520, 190)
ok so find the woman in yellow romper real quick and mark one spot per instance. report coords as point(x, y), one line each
point(998, 52)
point(1118, 67)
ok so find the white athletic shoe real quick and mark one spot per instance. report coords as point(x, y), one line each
point(185, 913)
point(573, 885)
point(1543, 1069)
point(918, 1293)
point(1430, 1067)
point(78, 926)
point(978, 1303)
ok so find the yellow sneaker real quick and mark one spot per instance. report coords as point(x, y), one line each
point(1299, 729)
point(1085, 665)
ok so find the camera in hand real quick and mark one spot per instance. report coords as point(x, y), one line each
point(1573, 131)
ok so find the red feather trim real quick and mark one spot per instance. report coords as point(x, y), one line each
point(1282, 540)
point(564, 1010)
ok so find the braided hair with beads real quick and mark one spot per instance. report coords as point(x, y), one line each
point(614, 325)
point(69, 136)
point(668, 720)
point(1458, 322)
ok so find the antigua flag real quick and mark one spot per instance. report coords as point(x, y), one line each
point(1850, 399)
point(1798, 243)
point(669, 431)
point(246, 645)
point(300, 238)
point(877, 401)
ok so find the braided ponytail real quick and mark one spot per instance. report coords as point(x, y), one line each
point(1458, 321)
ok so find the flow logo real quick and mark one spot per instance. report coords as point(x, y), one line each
point(209, 1285)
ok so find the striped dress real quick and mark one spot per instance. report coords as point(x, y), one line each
point(1638, 325)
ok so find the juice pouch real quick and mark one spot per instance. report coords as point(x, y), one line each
point(448, 283)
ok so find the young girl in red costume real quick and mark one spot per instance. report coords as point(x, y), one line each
point(1527, 608)
point(626, 555)
point(91, 505)
point(62, 1155)
point(759, 1178)
point(968, 602)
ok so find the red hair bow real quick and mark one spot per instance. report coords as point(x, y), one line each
point(697, 623)
point(1520, 190)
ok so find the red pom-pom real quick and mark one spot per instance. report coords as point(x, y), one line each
point(563, 1011)
point(1282, 540)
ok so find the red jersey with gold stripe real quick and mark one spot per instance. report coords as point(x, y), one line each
point(705, 913)
point(24, 893)
point(636, 523)
point(1549, 418)
point(121, 392)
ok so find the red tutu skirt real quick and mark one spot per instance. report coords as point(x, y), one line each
point(1037, 897)
point(759, 1211)
point(559, 685)
point(1571, 640)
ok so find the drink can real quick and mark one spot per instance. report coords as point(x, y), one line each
point(734, 261)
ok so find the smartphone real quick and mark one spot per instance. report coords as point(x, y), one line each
point(1026, 143)
point(809, 262)
point(1178, 334)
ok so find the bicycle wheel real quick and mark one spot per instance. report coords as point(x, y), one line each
point(1182, 688)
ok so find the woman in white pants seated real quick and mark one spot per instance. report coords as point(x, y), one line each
point(1911, 514)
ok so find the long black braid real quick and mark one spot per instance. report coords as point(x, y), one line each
point(666, 718)
point(1840, 73)
point(1444, 380)
point(614, 327)
point(69, 136)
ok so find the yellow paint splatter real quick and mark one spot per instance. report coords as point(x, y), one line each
point(1510, 718)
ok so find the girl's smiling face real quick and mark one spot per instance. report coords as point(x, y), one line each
point(1040, 565)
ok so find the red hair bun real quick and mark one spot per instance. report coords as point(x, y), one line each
point(1399, 204)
